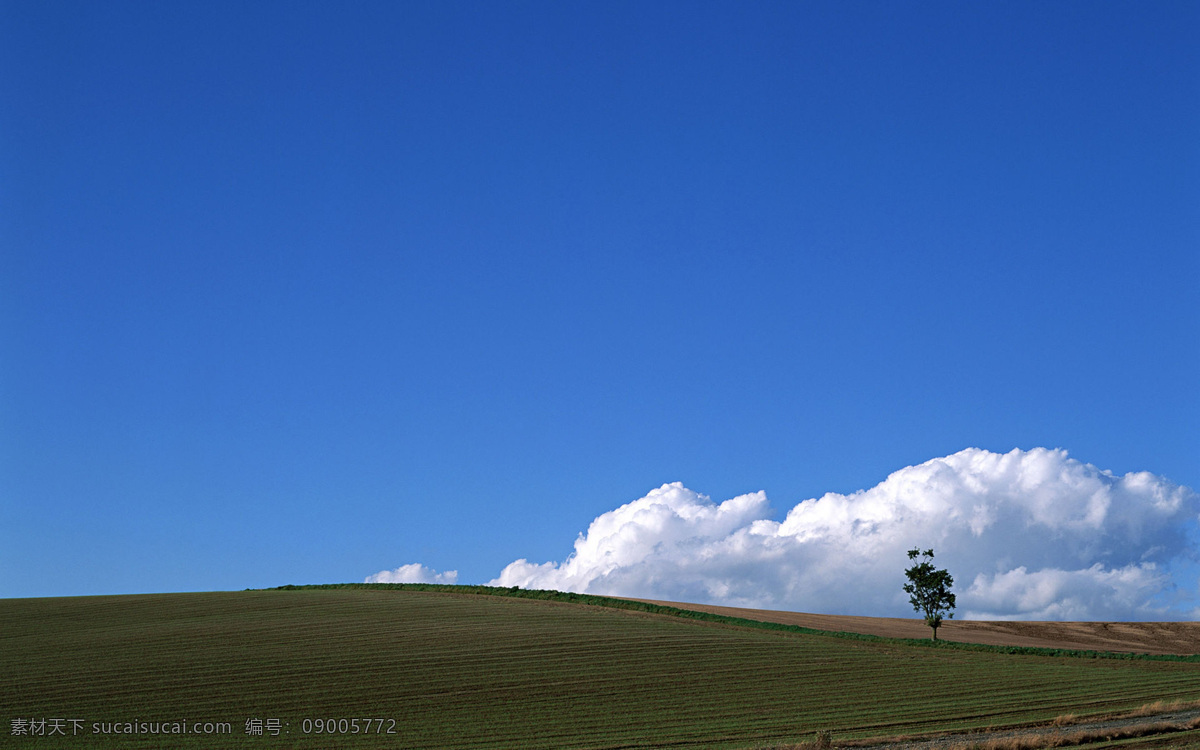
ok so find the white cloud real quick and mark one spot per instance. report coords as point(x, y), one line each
point(414, 573)
point(1051, 594)
point(1026, 534)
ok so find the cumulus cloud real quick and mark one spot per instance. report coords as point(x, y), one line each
point(1096, 593)
point(1026, 534)
point(414, 573)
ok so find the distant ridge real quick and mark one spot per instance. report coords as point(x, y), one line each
point(1158, 638)
point(1165, 641)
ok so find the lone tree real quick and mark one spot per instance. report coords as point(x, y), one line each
point(929, 589)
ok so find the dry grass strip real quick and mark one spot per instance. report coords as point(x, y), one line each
point(1157, 708)
point(1055, 735)
point(1059, 738)
point(1032, 740)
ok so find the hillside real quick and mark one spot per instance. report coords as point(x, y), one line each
point(451, 668)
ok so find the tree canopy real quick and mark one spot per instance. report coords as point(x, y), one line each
point(929, 589)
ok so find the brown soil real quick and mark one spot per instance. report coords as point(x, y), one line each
point(1135, 637)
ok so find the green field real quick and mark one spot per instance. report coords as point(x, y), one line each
point(459, 670)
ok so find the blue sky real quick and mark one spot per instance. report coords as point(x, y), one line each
point(298, 292)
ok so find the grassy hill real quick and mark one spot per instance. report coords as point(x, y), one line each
point(450, 668)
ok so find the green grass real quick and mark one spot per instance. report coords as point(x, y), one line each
point(454, 668)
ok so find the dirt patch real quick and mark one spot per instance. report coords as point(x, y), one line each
point(1133, 637)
